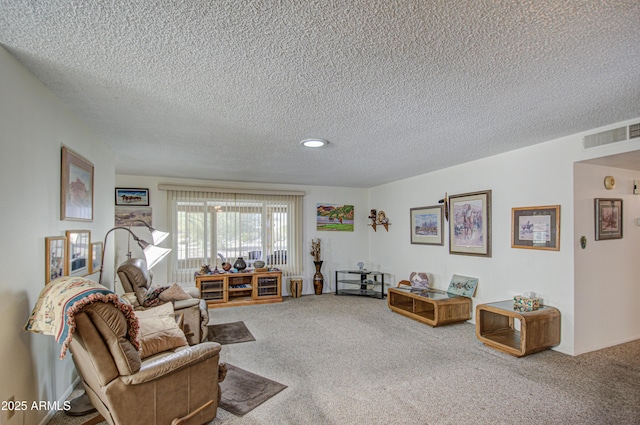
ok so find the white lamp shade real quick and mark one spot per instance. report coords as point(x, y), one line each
point(154, 254)
point(158, 236)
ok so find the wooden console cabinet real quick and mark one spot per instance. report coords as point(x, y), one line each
point(539, 329)
point(433, 307)
point(236, 289)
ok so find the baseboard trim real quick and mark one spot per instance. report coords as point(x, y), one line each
point(51, 413)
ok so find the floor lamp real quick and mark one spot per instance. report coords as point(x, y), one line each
point(156, 235)
point(153, 254)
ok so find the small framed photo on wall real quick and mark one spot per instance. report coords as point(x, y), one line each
point(78, 252)
point(608, 213)
point(55, 253)
point(95, 263)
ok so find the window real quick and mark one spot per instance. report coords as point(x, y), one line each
point(212, 227)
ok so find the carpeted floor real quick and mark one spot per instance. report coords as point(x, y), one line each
point(350, 360)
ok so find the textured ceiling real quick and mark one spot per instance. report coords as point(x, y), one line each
point(225, 90)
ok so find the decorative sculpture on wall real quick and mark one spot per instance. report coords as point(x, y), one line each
point(378, 217)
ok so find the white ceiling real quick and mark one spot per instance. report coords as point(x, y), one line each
point(225, 90)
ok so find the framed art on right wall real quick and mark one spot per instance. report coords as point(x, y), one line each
point(608, 213)
point(536, 228)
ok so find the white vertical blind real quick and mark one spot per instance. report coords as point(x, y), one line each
point(208, 226)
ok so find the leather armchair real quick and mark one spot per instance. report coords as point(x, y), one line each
point(136, 279)
point(178, 386)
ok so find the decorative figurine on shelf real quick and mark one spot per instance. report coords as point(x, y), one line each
point(382, 219)
point(378, 217)
point(373, 216)
point(205, 269)
point(318, 279)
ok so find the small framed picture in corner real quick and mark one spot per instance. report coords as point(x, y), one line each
point(132, 197)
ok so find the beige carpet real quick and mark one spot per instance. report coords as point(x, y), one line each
point(350, 360)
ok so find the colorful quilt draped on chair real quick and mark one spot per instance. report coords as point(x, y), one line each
point(61, 299)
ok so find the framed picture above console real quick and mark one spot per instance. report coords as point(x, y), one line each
point(426, 225)
point(470, 224)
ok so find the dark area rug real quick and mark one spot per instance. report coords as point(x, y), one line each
point(230, 333)
point(243, 391)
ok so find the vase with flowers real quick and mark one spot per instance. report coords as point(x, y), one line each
point(318, 279)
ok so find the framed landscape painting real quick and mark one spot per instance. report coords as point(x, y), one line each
point(125, 216)
point(76, 187)
point(426, 225)
point(132, 197)
point(470, 224)
point(334, 217)
point(536, 228)
point(608, 218)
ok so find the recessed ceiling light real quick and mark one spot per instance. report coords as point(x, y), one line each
point(313, 143)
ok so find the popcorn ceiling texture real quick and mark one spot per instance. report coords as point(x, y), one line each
point(225, 90)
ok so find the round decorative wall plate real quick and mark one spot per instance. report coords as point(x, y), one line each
point(609, 182)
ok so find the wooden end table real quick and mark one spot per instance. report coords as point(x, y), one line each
point(433, 307)
point(539, 329)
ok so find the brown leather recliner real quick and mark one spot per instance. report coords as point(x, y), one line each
point(137, 279)
point(178, 385)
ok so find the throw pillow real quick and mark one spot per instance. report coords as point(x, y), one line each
point(159, 331)
point(174, 293)
point(152, 296)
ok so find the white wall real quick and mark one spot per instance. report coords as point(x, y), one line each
point(535, 176)
point(33, 127)
point(340, 250)
point(606, 271)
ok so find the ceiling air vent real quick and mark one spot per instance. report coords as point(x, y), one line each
point(606, 137)
point(634, 131)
